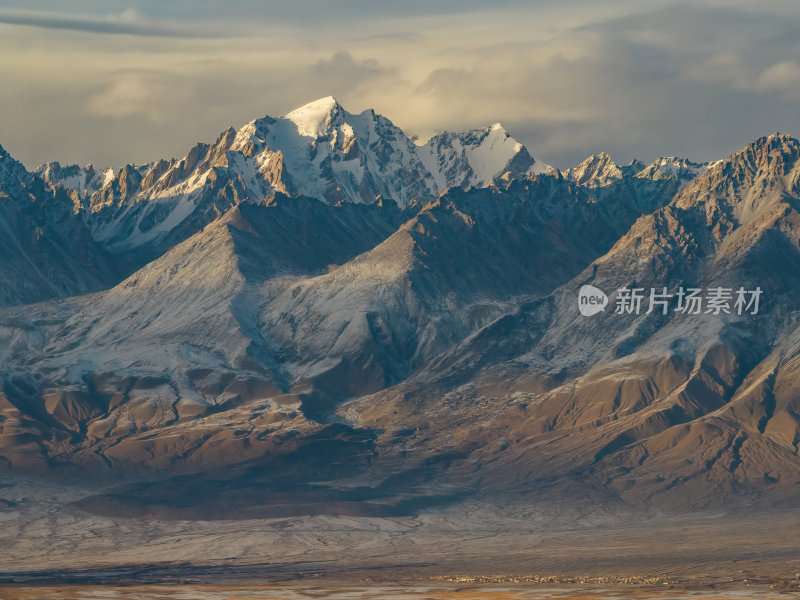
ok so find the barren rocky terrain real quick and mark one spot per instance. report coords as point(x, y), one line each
point(313, 346)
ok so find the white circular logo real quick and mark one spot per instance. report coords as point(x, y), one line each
point(591, 300)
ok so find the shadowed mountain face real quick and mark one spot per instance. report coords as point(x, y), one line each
point(47, 251)
point(318, 313)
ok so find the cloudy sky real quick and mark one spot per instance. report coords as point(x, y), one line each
point(116, 82)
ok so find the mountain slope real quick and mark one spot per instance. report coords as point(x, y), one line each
point(247, 304)
point(46, 249)
point(416, 318)
point(677, 410)
point(461, 262)
point(179, 340)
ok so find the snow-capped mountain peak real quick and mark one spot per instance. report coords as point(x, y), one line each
point(672, 166)
point(318, 150)
point(83, 180)
point(595, 171)
point(476, 157)
point(316, 118)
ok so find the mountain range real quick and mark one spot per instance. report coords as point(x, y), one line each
point(320, 314)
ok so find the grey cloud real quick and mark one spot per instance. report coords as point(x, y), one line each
point(695, 30)
point(342, 72)
point(96, 25)
point(449, 81)
point(151, 95)
point(692, 80)
point(645, 85)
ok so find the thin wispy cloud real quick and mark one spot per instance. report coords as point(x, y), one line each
point(125, 23)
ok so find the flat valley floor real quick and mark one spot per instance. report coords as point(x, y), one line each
point(52, 549)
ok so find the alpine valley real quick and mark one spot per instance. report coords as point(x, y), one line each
point(314, 320)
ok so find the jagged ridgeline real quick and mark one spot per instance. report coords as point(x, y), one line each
point(317, 297)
